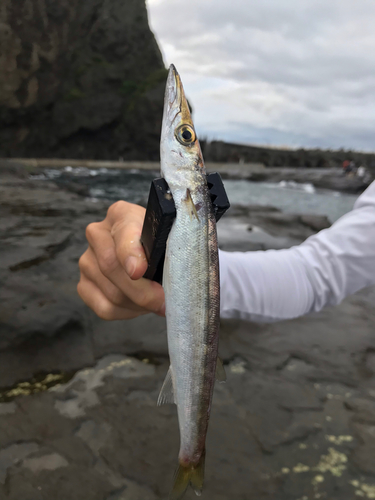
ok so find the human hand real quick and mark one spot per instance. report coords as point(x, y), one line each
point(112, 267)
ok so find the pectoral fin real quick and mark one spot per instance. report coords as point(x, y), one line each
point(220, 372)
point(166, 395)
point(190, 203)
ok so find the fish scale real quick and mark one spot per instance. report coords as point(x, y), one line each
point(191, 285)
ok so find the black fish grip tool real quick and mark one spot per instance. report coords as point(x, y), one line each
point(160, 214)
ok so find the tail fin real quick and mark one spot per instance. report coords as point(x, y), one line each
point(185, 475)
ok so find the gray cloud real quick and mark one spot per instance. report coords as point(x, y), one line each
point(297, 72)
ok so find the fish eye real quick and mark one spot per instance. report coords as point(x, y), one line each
point(185, 135)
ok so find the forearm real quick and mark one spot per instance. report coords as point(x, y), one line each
point(283, 284)
point(264, 286)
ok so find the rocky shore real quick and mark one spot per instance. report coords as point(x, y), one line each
point(78, 414)
point(323, 178)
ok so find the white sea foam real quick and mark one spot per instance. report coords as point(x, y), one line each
point(306, 187)
point(37, 177)
point(93, 172)
point(52, 173)
point(97, 192)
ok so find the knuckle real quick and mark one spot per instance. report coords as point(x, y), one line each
point(144, 300)
point(82, 263)
point(116, 296)
point(117, 209)
point(91, 230)
point(107, 261)
point(105, 310)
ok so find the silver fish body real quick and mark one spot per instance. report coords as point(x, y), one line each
point(191, 284)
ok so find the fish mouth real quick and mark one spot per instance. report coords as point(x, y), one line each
point(174, 86)
point(175, 103)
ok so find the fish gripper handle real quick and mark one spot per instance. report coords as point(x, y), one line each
point(160, 214)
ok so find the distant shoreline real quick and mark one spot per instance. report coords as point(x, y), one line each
point(331, 178)
point(125, 165)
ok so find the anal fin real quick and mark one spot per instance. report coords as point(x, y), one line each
point(166, 395)
point(221, 376)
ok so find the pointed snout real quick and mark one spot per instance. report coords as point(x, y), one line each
point(173, 87)
point(175, 102)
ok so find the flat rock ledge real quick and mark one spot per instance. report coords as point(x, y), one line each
point(295, 420)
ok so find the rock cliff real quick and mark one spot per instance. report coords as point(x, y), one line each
point(79, 80)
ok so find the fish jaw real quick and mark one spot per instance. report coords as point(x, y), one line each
point(181, 163)
point(175, 102)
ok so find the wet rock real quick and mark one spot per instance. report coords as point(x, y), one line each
point(43, 323)
point(13, 170)
point(94, 435)
point(322, 178)
point(364, 410)
point(295, 390)
point(126, 447)
point(82, 388)
point(64, 352)
point(236, 234)
point(16, 257)
point(133, 492)
point(363, 456)
point(369, 362)
point(254, 228)
point(49, 462)
point(124, 337)
point(291, 225)
point(248, 210)
point(342, 183)
point(35, 248)
point(14, 454)
point(7, 408)
point(75, 482)
point(315, 222)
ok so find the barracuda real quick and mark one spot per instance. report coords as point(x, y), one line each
point(192, 289)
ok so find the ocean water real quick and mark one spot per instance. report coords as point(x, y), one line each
point(291, 197)
point(134, 185)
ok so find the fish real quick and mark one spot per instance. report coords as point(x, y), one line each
point(192, 288)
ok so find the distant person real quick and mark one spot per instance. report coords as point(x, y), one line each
point(361, 172)
point(345, 166)
point(259, 286)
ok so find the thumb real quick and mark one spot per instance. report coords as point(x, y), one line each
point(126, 235)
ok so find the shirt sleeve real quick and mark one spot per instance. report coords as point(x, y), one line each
point(273, 285)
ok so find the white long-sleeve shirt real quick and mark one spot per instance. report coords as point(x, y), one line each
point(282, 284)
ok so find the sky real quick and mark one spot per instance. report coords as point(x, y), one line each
point(295, 73)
